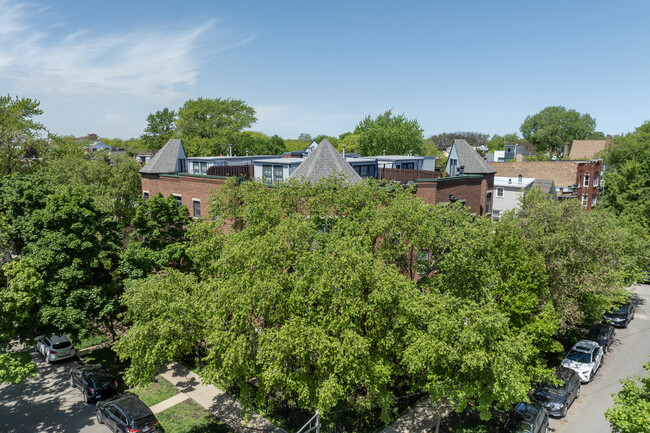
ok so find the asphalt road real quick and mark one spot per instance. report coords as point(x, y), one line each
point(626, 357)
point(47, 403)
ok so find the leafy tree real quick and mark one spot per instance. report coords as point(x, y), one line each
point(396, 135)
point(583, 271)
point(446, 139)
point(160, 128)
point(631, 410)
point(498, 142)
point(114, 182)
point(20, 196)
point(333, 140)
point(305, 137)
point(550, 128)
point(627, 176)
point(208, 126)
point(19, 134)
point(256, 143)
point(158, 240)
point(350, 141)
point(73, 245)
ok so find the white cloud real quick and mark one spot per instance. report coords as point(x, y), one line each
point(150, 64)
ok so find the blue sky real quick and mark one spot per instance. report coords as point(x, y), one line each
point(320, 67)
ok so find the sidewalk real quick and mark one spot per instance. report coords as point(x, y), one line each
point(422, 418)
point(211, 398)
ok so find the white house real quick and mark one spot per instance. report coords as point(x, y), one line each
point(507, 192)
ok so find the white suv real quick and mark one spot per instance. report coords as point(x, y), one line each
point(54, 347)
point(584, 358)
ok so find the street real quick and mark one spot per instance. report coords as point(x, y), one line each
point(47, 403)
point(626, 357)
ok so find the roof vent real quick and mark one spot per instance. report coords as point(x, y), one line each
point(521, 178)
point(509, 180)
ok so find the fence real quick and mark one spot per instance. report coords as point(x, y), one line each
point(404, 175)
point(247, 171)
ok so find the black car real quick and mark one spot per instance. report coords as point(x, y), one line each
point(557, 398)
point(527, 418)
point(127, 414)
point(621, 314)
point(602, 334)
point(94, 382)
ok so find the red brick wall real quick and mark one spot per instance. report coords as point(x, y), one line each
point(591, 168)
point(187, 186)
point(471, 189)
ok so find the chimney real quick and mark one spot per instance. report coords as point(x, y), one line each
point(520, 179)
point(384, 153)
point(344, 151)
point(462, 169)
point(566, 149)
point(608, 140)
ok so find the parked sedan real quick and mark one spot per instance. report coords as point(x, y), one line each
point(127, 414)
point(620, 315)
point(585, 358)
point(602, 334)
point(94, 382)
point(54, 347)
point(557, 398)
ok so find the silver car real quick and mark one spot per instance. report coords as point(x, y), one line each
point(54, 347)
point(585, 358)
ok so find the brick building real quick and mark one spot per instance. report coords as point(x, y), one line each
point(573, 179)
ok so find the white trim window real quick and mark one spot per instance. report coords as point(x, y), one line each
point(179, 200)
point(499, 190)
point(596, 178)
point(495, 215)
point(145, 195)
point(586, 180)
point(585, 199)
point(196, 207)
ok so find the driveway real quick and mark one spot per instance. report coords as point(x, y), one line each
point(626, 357)
point(47, 403)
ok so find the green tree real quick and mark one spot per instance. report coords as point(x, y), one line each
point(20, 140)
point(631, 410)
point(74, 245)
point(208, 126)
point(396, 135)
point(256, 143)
point(627, 176)
point(160, 128)
point(498, 142)
point(549, 129)
point(350, 141)
point(158, 240)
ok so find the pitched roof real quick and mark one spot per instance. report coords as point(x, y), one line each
point(586, 149)
point(546, 185)
point(164, 161)
point(471, 159)
point(325, 161)
point(562, 173)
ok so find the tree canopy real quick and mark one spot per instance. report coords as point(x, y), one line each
point(549, 129)
point(396, 135)
point(208, 126)
point(20, 140)
point(631, 410)
point(160, 128)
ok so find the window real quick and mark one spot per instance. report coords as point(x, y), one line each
point(204, 167)
point(196, 206)
point(596, 179)
point(145, 194)
point(408, 165)
point(423, 262)
point(495, 215)
point(499, 192)
point(586, 180)
point(179, 201)
point(452, 167)
point(277, 173)
point(488, 202)
point(267, 173)
point(363, 171)
point(584, 199)
point(594, 200)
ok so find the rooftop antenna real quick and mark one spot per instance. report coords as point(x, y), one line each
point(384, 152)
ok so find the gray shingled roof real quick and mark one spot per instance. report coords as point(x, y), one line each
point(164, 161)
point(325, 161)
point(471, 159)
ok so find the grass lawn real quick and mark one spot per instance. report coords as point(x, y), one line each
point(155, 392)
point(189, 417)
point(90, 341)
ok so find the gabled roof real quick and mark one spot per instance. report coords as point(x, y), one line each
point(325, 161)
point(562, 173)
point(471, 159)
point(164, 161)
point(546, 185)
point(586, 149)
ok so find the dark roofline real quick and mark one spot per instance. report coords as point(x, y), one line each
point(442, 179)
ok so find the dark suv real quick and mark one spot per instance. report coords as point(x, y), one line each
point(527, 418)
point(557, 398)
point(127, 414)
point(93, 382)
point(621, 314)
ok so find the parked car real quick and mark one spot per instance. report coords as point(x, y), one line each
point(585, 358)
point(602, 334)
point(557, 398)
point(126, 414)
point(54, 347)
point(527, 418)
point(620, 315)
point(94, 382)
